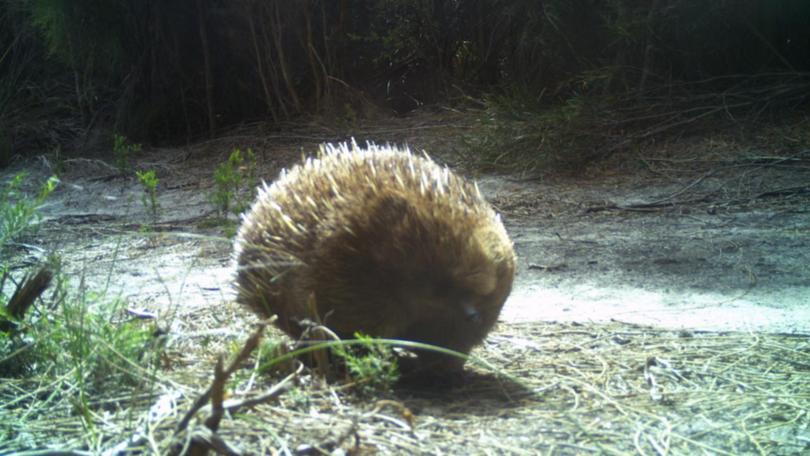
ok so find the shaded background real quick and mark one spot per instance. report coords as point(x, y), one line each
point(171, 72)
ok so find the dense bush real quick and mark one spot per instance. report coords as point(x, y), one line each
point(175, 70)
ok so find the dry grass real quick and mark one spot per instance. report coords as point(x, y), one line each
point(558, 389)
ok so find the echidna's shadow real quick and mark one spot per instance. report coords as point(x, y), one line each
point(474, 392)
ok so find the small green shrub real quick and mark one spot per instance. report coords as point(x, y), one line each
point(371, 365)
point(18, 214)
point(18, 211)
point(149, 198)
point(123, 152)
point(85, 339)
point(224, 177)
point(67, 345)
point(229, 179)
point(73, 336)
point(66, 333)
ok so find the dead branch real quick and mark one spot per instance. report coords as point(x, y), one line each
point(250, 345)
point(274, 392)
point(204, 439)
point(28, 291)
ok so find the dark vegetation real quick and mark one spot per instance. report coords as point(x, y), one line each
point(593, 76)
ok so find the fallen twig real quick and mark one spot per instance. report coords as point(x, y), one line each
point(250, 345)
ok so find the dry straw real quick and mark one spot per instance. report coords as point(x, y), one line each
point(581, 389)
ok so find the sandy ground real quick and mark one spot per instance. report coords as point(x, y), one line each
point(715, 248)
point(708, 269)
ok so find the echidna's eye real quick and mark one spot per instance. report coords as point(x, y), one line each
point(471, 313)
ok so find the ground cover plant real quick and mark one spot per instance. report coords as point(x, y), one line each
point(234, 180)
point(124, 152)
point(58, 346)
point(149, 181)
point(18, 211)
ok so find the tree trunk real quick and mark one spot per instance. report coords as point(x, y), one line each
point(282, 61)
point(209, 83)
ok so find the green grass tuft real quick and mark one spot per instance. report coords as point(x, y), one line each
point(18, 211)
point(149, 181)
point(230, 179)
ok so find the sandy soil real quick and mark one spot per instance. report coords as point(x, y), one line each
point(724, 245)
point(700, 266)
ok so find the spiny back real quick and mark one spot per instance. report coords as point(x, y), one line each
point(376, 240)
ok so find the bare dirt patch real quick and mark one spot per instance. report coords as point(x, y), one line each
point(720, 252)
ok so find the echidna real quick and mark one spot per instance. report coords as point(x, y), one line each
point(378, 241)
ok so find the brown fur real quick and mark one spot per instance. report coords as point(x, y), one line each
point(378, 241)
